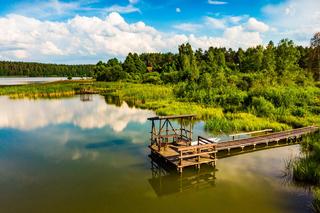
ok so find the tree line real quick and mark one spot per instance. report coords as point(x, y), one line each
point(199, 65)
point(8, 68)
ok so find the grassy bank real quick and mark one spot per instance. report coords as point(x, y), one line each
point(305, 170)
point(161, 99)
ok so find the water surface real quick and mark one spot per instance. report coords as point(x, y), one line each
point(66, 155)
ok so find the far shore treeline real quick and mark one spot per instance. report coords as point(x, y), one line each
point(31, 69)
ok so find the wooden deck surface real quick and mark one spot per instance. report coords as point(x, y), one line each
point(277, 136)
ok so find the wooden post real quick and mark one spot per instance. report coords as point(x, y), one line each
point(191, 130)
point(159, 135)
point(181, 127)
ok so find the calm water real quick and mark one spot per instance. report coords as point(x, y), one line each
point(31, 80)
point(69, 156)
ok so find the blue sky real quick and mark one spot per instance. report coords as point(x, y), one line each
point(85, 31)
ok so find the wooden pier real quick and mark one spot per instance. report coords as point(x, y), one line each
point(175, 145)
point(268, 140)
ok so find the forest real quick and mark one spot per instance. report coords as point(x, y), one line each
point(8, 68)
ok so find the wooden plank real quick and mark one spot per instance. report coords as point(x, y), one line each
point(253, 132)
point(198, 154)
point(197, 146)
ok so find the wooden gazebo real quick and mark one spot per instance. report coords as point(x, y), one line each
point(164, 133)
point(173, 142)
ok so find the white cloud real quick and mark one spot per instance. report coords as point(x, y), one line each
point(255, 25)
point(46, 9)
point(123, 9)
point(188, 27)
point(217, 2)
point(237, 19)
point(178, 10)
point(89, 39)
point(295, 19)
point(216, 23)
point(241, 38)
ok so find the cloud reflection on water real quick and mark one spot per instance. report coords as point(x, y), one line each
point(25, 114)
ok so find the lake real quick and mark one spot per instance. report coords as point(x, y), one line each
point(30, 80)
point(68, 155)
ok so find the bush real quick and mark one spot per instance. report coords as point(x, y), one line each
point(262, 107)
point(153, 78)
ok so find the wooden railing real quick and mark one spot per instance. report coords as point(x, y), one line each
point(198, 151)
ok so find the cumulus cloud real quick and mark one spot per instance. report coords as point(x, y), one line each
point(88, 39)
point(255, 25)
point(295, 19)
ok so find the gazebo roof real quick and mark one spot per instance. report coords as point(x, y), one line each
point(171, 117)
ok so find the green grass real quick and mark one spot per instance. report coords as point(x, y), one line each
point(231, 122)
point(47, 90)
point(306, 169)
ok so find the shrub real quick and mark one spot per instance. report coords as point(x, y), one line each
point(153, 78)
point(262, 107)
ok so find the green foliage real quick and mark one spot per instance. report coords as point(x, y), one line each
point(188, 64)
point(287, 56)
point(262, 107)
point(243, 122)
point(8, 68)
point(306, 169)
point(111, 71)
point(153, 78)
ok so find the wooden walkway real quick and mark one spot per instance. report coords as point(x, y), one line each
point(182, 155)
point(272, 139)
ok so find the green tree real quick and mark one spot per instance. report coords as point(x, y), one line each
point(287, 56)
point(314, 56)
point(188, 63)
point(269, 58)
